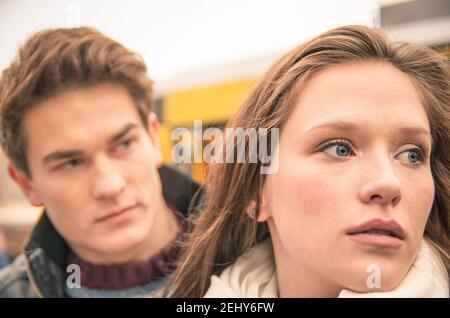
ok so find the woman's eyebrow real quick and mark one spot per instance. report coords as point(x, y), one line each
point(409, 130)
point(417, 131)
point(336, 125)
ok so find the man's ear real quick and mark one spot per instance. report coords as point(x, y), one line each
point(263, 213)
point(153, 131)
point(25, 184)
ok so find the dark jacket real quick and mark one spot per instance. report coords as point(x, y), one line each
point(39, 271)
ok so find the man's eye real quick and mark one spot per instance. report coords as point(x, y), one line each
point(72, 163)
point(124, 145)
point(338, 148)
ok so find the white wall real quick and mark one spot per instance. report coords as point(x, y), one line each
point(178, 36)
point(175, 36)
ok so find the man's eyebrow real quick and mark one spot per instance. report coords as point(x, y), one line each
point(66, 154)
point(122, 132)
point(352, 126)
point(60, 155)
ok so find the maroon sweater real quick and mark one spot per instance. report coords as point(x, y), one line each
point(124, 276)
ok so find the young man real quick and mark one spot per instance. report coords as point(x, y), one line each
point(77, 126)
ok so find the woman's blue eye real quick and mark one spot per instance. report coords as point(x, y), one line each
point(338, 149)
point(342, 150)
point(413, 156)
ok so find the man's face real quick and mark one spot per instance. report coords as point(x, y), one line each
point(94, 168)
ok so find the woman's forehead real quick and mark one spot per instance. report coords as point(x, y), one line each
point(346, 95)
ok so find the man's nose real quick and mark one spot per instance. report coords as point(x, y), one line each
point(107, 179)
point(380, 182)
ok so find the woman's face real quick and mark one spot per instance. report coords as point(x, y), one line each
point(349, 154)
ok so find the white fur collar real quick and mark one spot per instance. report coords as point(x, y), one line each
point(253, 276)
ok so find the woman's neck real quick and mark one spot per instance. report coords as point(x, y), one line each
point(298, 281)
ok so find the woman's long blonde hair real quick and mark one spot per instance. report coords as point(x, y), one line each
point(223, 231)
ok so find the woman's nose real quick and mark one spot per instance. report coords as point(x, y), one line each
point(380, 183)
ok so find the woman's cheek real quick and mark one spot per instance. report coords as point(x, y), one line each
point(303, 202)
point(418, 208)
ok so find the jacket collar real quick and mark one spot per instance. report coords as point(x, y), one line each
point(46, 252)
point(45, 237)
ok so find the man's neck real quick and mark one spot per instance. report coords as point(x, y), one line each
point(164, 231)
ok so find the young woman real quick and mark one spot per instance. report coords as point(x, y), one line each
point(359, 203)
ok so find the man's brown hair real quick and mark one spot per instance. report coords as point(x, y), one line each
point(56, 60)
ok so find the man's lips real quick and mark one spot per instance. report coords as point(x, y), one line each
point(116, 212)
point(379, 233)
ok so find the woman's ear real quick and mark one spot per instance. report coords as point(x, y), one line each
point(25, 184)
point(261, 216)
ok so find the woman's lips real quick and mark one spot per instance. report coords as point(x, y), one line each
point(376, 240)
point(378, 233)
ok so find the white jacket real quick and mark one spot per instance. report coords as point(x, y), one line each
point(253, 275)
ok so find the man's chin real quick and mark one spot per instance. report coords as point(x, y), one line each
point(122, 250)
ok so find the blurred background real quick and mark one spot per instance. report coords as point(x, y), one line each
point(203, 55)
